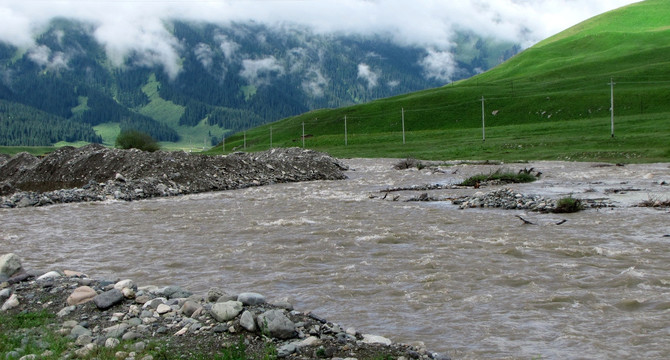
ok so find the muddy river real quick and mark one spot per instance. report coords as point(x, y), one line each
point(473, 283)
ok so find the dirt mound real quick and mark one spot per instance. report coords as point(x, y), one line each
point(95, 165)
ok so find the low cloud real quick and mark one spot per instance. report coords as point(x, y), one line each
point(228, 47)
point(136, 29)
point(368, 75)
point(43, 56)
point(314, 83)
point(439, 65)
point(261, 71)
point(205, 55)
point(152, 44)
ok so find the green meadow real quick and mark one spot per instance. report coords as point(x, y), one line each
point(550, 102)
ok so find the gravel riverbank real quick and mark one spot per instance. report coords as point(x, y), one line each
point(95, 314)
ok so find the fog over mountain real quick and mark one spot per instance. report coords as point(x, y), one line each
point(185, 70)
point(138, 26)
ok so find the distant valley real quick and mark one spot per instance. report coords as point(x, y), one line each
point(71, 89)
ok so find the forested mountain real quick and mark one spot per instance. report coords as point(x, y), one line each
point(224, 78)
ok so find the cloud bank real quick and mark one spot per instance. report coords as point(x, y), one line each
point(138, 27)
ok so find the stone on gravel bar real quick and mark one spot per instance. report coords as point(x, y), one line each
point(226, 310)
point(276, 324)
point(376, 339)
point(247, 321)
point(10, 264)
point(108, 299)
point(50, 275)
point(10, 303)
point(250, 298)
point(81, 295)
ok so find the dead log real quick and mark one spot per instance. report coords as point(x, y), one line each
point(526, 222)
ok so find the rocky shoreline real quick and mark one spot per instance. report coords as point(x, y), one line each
point(98, 173)
point(128, 319)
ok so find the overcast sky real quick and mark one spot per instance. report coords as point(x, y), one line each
point(136, 25)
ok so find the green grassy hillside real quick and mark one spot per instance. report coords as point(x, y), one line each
point(550, 102)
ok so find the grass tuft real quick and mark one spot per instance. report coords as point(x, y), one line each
point(501, 177)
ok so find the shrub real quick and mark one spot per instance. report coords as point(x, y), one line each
point(408, 163)
point(568, 205)
point(503, 177)
point(133, 139)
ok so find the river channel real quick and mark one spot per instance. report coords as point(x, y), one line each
point(473, 284)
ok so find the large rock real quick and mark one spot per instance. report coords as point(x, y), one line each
point(108, 299)
point(225, 311)
point(10, 303)
point(10, 264)
point(250, 298)
point(50, 275)
point(124, 284)
point(276, 324)
point(81, 295)
point(376, 339)
point(190, 307)
point(247, 321)
point(173, 292)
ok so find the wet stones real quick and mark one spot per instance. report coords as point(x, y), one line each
point(10, 264)
point(161, 314)
point(506, 199)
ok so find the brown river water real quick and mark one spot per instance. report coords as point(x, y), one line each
point(472, 284)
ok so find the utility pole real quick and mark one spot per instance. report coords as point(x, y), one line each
point(612, 103)
point(403, 126)
point(245, 140)
point(223, 144)
point(345, 130)
point(303, 134)
point(483, 126)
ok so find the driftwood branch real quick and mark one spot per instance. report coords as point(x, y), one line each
point(525, 222)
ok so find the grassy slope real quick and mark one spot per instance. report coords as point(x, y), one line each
point(193, 138)
point(550, 102)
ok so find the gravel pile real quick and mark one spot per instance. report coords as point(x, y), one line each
point(506, 199)
point(96, 173)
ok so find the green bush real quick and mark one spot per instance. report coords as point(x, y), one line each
point(568, 205)
point(133, 139)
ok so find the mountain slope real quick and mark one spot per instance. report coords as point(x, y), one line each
point(225, 78)
point(556, 83)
